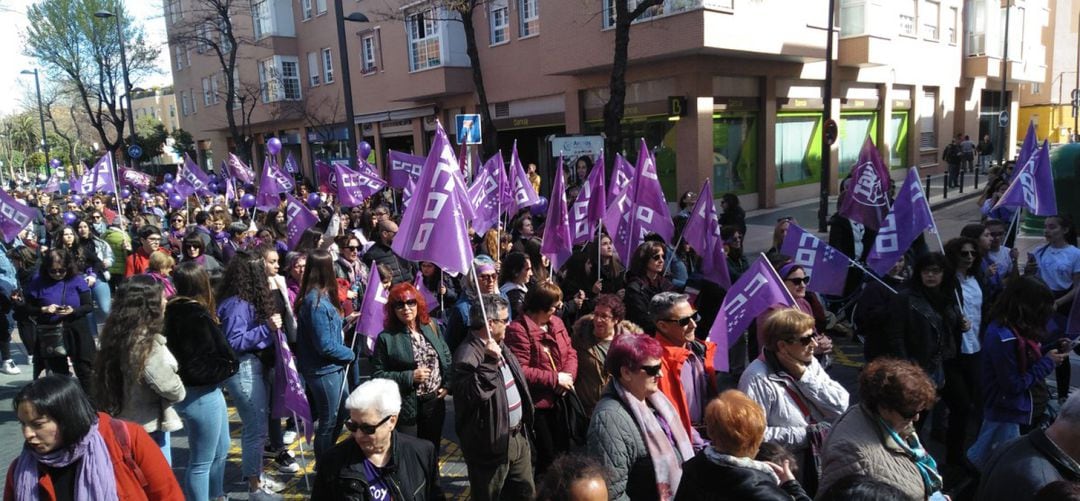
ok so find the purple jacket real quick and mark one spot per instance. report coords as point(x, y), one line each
point(1007, 390)
point(242, 330)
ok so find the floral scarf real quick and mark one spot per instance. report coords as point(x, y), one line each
point(668, 443)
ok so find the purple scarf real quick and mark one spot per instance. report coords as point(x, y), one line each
point(668, 445)
point(95, 479)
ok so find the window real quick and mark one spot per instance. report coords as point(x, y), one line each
point(202, 35)
point(664, 8)
point(223, 38)
point(1036, 88)
point(172, 111)
point(305, 6)
point(178, 55)
point(214, 89)
point(260, 18)
point(268, 81)
point(185, 104)
point(328, 65)
point(314, 75)
point(321, 6)
point(907, 17)
point(852, 18)
point(528, 18)
point(930, 20)
point(499, 18)
point(950, 25)
point(422, 29)
point(236, 85)
point(796, 160)
point(174, 10)
point(279, 79)
point(367, 54)
point(290, 76)
point(194, 102)
point(928, 119)
point(206, 92)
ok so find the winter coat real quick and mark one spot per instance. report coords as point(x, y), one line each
point(117, 240)
point(149, 400)
point(671, 365)
point(917, 332)
point(1020, 468)
point(591, 376)
point(701, 478)
point(1008, 390)
point(639, 292)
point(532, 345)
point(412, 473)
point(203, 355)
point(244, 332)
point(393, 360)
point(402, 270)
point(615, 439)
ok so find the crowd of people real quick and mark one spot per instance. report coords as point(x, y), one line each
point(595, 380)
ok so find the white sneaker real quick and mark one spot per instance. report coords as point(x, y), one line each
point(264, 495)
point(288, 437)
point(270, 485)
point(10, 368)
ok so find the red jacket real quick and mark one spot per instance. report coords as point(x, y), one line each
point(138, 262)
point(162, 483)
point(671, 363)
point(528, 342)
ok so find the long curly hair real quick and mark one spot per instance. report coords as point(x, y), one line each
point(126, 340)
point(245, 278)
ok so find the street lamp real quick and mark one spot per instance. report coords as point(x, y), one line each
point(41, 115)
point(346, 80)
point(1004, 87)
point(104, 14)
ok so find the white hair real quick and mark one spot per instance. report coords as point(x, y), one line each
point(379, 395)
point(1070, 412)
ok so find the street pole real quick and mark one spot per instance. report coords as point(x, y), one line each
point(826, 146)
point(346, 78)
point(1004, 86)
point(103, 14)
point(41, 116)
point(1075, 110)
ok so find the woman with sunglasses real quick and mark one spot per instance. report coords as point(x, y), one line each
point(377, 457)
point(351, 268)
point(411, 352)
point(799, 398)
point(877, 438)
point(796, 281)
point(60, 302)
point(515, 275)
point(177, 231)
point(194, 250)
point(635, 431)
point(645, 279)
point(539, 340)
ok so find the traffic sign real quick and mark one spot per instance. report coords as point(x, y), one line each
point(1003, 119)
point(135, 151)
point(468, 129)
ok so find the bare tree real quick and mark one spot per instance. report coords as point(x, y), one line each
point(615, 107)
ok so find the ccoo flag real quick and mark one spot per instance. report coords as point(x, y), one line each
point(429, 297)
point(98, 179)
point(353, 187)
point(239, 170)
point(433, 227)
point(404, 167)
point(52, 185)
point(865, 200)
point(827, 266)
point(557, 243)
point(1033, 185)
point(702, 232)
point(131, 177)
point(273, 183)
point(521, 190)
point(1027, 149)
point(639, 210)
point(588, 209)
point(909, 217)
point(758, 289)
point(489, 194)
point(297, 220)
point(290, 164)
point(14, 216)
point(621, 177)
point(288, 396)
point(373, 308)
point(191, 179)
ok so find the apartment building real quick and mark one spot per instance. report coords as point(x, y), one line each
point(907, 73)
point(159, 103)
point(1048, 102)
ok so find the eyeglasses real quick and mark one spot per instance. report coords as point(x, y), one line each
point(353, 247)
point(367, 429)
point(657, 257)
point(785, 219)
point(684, 321)
point(400, 305)
point(651, 370)
point(487, 276)
point(910, 416)
point(603, 316)
point(798, 281)
point(381, 213)
point(178, 220)
point(805, 340)
point(503, 321)
point(968, 253)
point(96, 217)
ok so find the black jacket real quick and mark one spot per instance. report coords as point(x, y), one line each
point(1018, 469)
point(872, 314)
point(917, 332)
point(202, 353)
point(702, 480)
point(481, 412)
point(638, 294)
point(403, 270)
point(413, 471)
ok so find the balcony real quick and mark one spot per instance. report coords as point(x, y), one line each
point(863, 51)
point(433, 83)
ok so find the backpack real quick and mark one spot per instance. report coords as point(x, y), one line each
point(123, 438)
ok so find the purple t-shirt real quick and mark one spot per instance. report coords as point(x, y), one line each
point(44, 291)
point(378, 487)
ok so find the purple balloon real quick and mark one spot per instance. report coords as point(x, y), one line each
point(55, 163)
point(213, 186)
point(176, 201)
point(169, 178)
point(364, 148)
point(146, 196)
point(167, 187)
point(541, 207)
point(214, 178)
point(125, 193)
point(273, 146)
point(247, 201)
point(70, 218)
point(313, 200)
point(77, 199)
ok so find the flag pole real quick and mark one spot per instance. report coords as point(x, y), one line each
point(116, 193)
point(480, 298)
point(869, 272)
point(941, 245)
point(779, 280)
point(1012, 223)
point(303, 458)
point(599, 240)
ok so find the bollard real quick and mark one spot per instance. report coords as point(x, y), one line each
point(961, 181)
point(945, 185)
point(927, 190)
point(976, 179)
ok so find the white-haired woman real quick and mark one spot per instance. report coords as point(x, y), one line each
point(378, 463)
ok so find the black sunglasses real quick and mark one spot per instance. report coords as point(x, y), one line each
point(799, 281)
point(910, 416)
point(651, 370)
point(353, 247)
point(657, 257)
point(400, 305)
point(684, 321)
point(805, 340)
point(368, 429)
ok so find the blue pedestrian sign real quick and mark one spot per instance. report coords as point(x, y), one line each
point(134, 151)
point(468, 129)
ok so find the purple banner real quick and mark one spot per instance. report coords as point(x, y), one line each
point(290, 164)
point(702, 233)
point(1033, 185)
point(865, 200)
point(273, 183)
point(621, 177)
point(639, 210)
point(404, 167)
point(372, 309)
point(588, 209)
point(288, 396)
point(521, 190)
point(429, 297)
point(190, 179)
point(758, 289)
point(1027, 149)
point(14, 216)
point(557, 243)
point(827, 267)
point(139, 180)
point(298, 219)
point(909, 217)
point(353, 187)
point(98, 179)
point(239, 170)
point(52, 185)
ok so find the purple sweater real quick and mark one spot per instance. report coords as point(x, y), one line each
point(242, 330)
point(43, 291)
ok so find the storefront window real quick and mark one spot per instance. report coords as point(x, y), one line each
point(855, 127)
point(735, 153)
point(898, 151)
point(798, 148)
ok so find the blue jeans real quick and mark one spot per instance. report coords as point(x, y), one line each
point(327, 407)
point(161, 438)
point(248, 390)
point(206, 419)
point(103, 298)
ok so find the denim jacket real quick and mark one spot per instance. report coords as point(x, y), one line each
point(320, 347)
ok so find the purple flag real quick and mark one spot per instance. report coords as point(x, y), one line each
point(909, 217)
point(239, 170)
point(702, 232)
point(1033, 186)
point(52, 185)
point(297, 219)
point(827, 266)
point(139, 180)
point(370, 171)
point(98, 179)
point(273, 183)
point(290, 164)
point(485, 201)
point(191, 179)
point(323, 173)
point(588, 209)
point(429, 297)
point(289, 398)
point(557, 243)
point(404, 167)
point(433, 227)
point(353, 187)
point(521, 190)
point(640, 210)
point(14, 216)
point(373, 309)
point(230, 189)
point(758, 289)
point(621, 177)
point(74, 184)
point(866, 199)
point(1027, 149)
